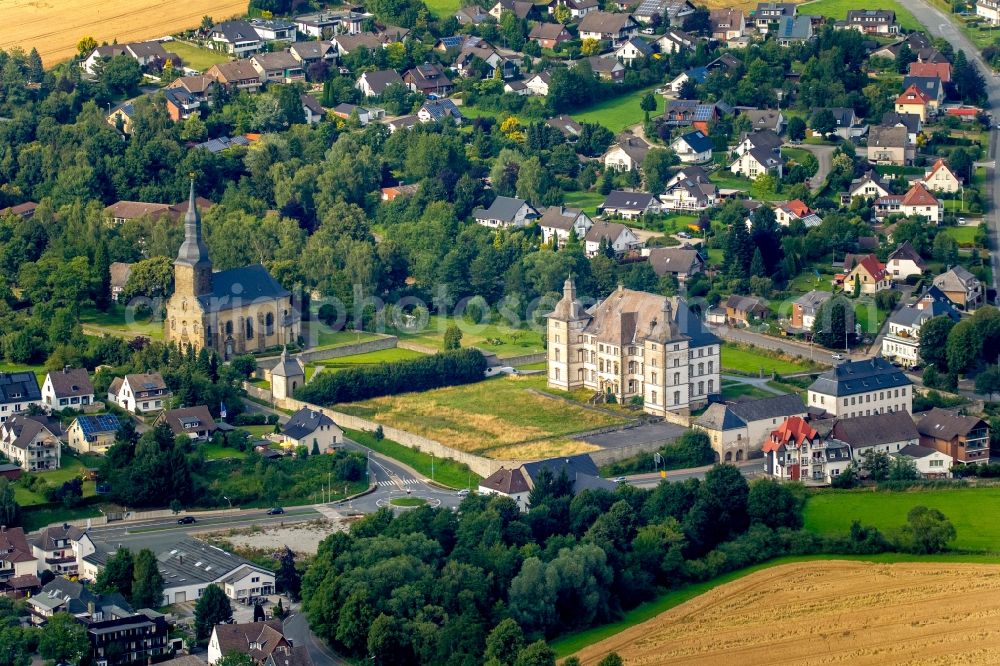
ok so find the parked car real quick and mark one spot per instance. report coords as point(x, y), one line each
point(837, 357)
point(186, 520)
point(463, 492)
point(275, 511)
point(621, 479)
point(961, 220)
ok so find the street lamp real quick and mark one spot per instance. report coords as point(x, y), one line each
point(228, 500)
point(432, 467)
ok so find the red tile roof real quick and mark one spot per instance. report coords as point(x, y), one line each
point(919, 196)
point(793, 431)
point(872, 266)
point(942, 70)
point(913, 95)
point(797, 207)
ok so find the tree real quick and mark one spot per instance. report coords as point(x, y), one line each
point(647, 104)
point(236, 659)
point(876, 463)
point(64, 640)
point(504, 643)
point(903, 469)
point(36, 72)
point(656, 168)
point(946, 249)
point(926, 531)
point(212, 608)
point(796, 129)
point(934, 341)
point(612, 659)
point(452, 338)
point(774, 504)
point(823, 122)
point(964, 347)
point(86, 46)
point(988, 381)
point(831, 327)
point(288, 579)
point(536, 654)
point(147, 583)
point(118, 574)
point(590, 46)
point(151, 278)
point(764, 186)
point(10, 510)
point(121, 75)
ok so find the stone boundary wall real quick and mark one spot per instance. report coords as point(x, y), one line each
point(604, 456)
point(523, 359)
point(413, 346)
point(388, 342)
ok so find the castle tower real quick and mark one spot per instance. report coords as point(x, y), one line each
point(565, 323)
point(192, 268)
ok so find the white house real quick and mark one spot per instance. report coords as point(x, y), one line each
point(557, 222)
point(505, 212)
point(940, 178)
point(144, 392)
point(930, 463)
point(693, 147)
point(18, 391)
point(882, 433)
point(758, 161)
point(373, 84)
point(629, 205)
point(312, 429)
point(69, 387)
point(904, 262)
point(690, 189)
point(60, 548)
point(538, 84)
point(509, 483)
point(902, 343)
point(989, 10)
point(619, 238)
point(237, 38)
point(627, 154)
point(633, 49)
point(860, 388)
point(917, 201)
point(29, 444)
point(739, 429)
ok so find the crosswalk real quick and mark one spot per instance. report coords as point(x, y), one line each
point(392, 484)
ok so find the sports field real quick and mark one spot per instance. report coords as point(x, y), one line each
point(826, 612)
point(971, 510)
point(55, 27)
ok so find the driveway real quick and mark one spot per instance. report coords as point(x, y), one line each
point(824, 155)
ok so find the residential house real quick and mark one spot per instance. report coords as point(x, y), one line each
point(889, 432)
point(505, 212)
point(632, 49)
point(867, 276)
point(58, 548)
point(758, 161)
point(695, 75)
point(902, 343)
point(784, 448)
point(762, 139)
point(916, 201)
point(472, 15)
point(516, 7)
point(966, 439)
point(685, 112)
point(890, 145)
point(25, 210)
point(917, 41)
point(277, 67)
point(738, 429)
point(312, 429)
point(870, 21)
point(693, 147)
point(765, 119)
point(790, 211)
point(312, 110)
point(402, 123)
point(673, 11)
point(538, 84)
point(18, 391)
point(93, 433)
point(308, 53)
point(859, 388)
point(69, 387)
point(931, 70)
point(904, 262)
point(567, 126)
point(726, 62)
point(822, 461)
point(726, 24)
point(258, 640)
point(180, 104)
point(365, 115)
point(494, 61)
point(931, 86)
point(769, 14)
point(793, 30)
point(910, 121)
point(847, 123)
point(930, 463)
point(61, 595)
point(604, 26)
point(579, 470)
point(558, 221)
point(427, 79)
point(633, 344)
point(237, 38)
point(510, 483)
point(321, 24)
point(346, 44)
point(274, 30)
point(138, 393)
point(681, 262)
point(989, 10)
point(239, 74)
point(549, 35)
point(742, 310)
point(26, 442)
point(121, 117)
point(120, 273)
point(690, 189)
point(961, 287)
point(195, 422)
point(914, 100)
point(577, 8)
point(18, 567)
point(629, 205)
point(198, 87)
point(620, 239)
point(223, 143)
point(373, 84)
point(675, 41)
point(608, 69)
point(806, 307)
point(436, 110)
point(940, 178)
point(626, 154)
point(393, 192)
point(869, 186)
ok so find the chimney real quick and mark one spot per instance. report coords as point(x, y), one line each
point(91, 608)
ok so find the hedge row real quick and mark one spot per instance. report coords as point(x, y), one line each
point(450, 368)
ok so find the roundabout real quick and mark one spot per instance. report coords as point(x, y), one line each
point(406, 502)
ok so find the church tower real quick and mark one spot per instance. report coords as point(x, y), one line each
point(192, 268)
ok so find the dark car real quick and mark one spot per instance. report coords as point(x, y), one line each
point(275, 511)
point(186, 520)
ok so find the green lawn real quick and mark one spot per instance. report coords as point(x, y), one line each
point(870, 316)
point(837, 9)
point(408, 501)
point(371, 358)
point(258, 431)
point(196, 57)
point(445, 471)
point(34, 519)
point(504, 417)
point(972, 511)
point(620, 112)
point(726, 179)
point(749, 360)
point(806, 280)
point(443, 8)
point(734, 390)
point(964, 235)
point(71, 467)
point(119, 322)
point(588, 201)
point(219, 452)
point(500, 338)
point(327, 339)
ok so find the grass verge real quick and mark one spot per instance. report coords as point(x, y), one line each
point(446, 472)
point(749, 360)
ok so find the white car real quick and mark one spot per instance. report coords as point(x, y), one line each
point(837, 357)
point(463, 492)
point(961, 220)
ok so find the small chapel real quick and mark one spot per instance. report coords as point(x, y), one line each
point(234, 312)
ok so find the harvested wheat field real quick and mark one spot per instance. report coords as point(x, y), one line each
point(55, 26)
point(827, 612)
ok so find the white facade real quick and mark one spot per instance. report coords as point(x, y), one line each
point(139, 400)
point(749, 166)
point(932, 464)
point(30, 446)
point(989, 10)
point(66, 557)
point(617, 158)
point(689, 155)
point(902, 344)
point(55, 403)
point(864, 404)
point(623, 242)
point(900, 269)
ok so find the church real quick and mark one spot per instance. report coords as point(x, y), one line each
point(634, 345)
point(234, 312)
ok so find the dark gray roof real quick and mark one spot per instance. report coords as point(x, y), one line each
point(193, 251)
point(720, 417)
point(70, 382)
point(628, 200)
point(73, 597)
point(238, 287)
point(769, 408)
point(48, 537)
point(681, 260)
point(853, 377)
point(916, 451)
point(910, 316)
point(191, 561)
point(379, 80)
point(876, 429)
point(697, 141)
point(910, 121)
point(18, 387)
point(927, 84)
point(944, 424)
point(502, 208)
point(305, 422)
point(235, 31)
point(442, 108)
point(581, 465)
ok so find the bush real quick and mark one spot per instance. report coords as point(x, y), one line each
point(692, 449)
point(255, 418)
point(461, 366)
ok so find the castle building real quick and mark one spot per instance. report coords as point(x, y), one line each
point(233, 312)
point(633, 344)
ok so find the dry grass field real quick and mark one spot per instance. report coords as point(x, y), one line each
point(827, 612)
point(55, 26)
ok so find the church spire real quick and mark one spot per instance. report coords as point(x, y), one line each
point(193, 268)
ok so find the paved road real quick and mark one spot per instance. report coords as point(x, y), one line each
point(749, 468)
point(824, 155)
point(786, 346)
point(297, 629)
point(940, 25)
